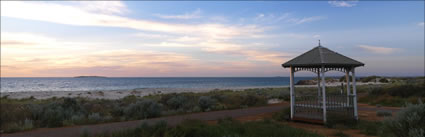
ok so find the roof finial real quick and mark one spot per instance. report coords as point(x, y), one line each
point(319, 43)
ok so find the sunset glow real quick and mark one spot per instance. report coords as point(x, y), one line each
point(175, 39)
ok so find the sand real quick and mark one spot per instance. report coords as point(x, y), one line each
point(117, 94)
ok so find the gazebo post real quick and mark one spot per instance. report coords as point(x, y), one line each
point(318, 82)
point(347, 78)
point(354, 94)
point(291, 82)
point(323, 93)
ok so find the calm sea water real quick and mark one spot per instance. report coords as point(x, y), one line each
point(104, 84)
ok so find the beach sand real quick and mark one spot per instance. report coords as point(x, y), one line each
point(117, 94)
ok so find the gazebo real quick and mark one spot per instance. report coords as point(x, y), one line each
point(314, 107)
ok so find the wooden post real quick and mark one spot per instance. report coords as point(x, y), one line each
point(318, 82)
point(291, 86)
point(354, 94)
point(347, 78)
point(323, 93)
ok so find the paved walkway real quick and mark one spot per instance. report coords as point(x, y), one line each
point(76, 131)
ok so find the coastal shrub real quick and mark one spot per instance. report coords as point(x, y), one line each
point(206, 102)
point(94, 118)
point(176, 102)
point(369, 79)
point(11, 113)
point(76, 119)
point(53, 116)
point(407, 90)
point(409, 122)
point(117, 110)
point(253, 100)
point(383, 80)
point(143, 109)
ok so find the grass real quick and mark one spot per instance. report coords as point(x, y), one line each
point(224, 128)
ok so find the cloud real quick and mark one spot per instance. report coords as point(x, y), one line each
point(316, 36)
point(271, 18)
point(105, 7)
point(151, 35)
point(305, 19)
point(421, 24)
point(23, 39)
point(343, 3)
point(378, 50)
point(75, 15)
point(193, 15)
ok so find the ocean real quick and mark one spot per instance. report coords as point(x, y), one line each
point(105, 84)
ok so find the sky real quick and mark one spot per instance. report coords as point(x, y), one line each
point(206, 38)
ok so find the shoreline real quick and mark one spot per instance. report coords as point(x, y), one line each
point(118, 94)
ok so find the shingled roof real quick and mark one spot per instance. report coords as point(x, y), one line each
point(319, 56)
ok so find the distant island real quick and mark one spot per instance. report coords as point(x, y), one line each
point(90, 77)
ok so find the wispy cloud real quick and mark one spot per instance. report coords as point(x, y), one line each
point(421, 24)
point(105, 7)
point(305, 19)
point(75, 15)
point(284, 18)
point(343, 3)
point(377, 49)
point(192, 15)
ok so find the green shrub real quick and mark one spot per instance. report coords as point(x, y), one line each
point(143, 109)
point(369, 79)
point(253, 100)
point(176, 102)
point(383, 80)
point(94, 118)
point(406, 90)
point(409, 122)
point(206, 102)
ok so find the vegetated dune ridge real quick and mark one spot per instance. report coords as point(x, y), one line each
point(117, 94)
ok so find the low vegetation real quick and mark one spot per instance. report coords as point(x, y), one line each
point(224, 128)
point(408, 122)
point(397, 94)
point(29, 113)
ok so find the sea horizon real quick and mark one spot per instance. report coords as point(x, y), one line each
point(34, 84)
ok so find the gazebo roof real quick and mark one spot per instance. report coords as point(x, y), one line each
point(319, 56)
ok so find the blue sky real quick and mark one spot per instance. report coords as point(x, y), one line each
point(212, 38)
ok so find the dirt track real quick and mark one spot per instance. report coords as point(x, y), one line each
point(76, 131)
